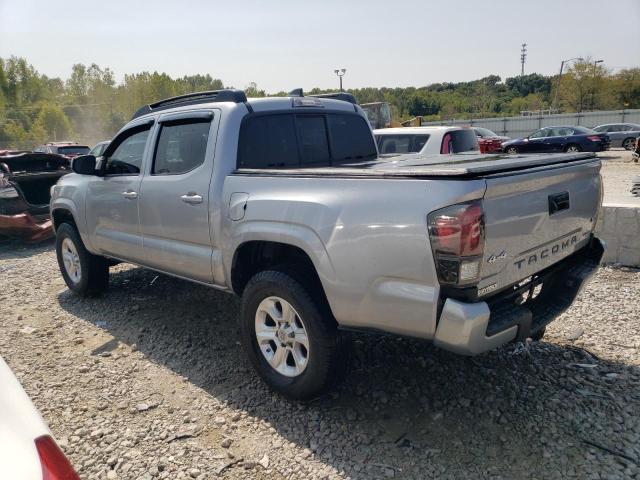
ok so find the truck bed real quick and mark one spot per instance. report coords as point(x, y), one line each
point(433, 166)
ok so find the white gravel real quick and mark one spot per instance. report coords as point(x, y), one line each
point(149, 382)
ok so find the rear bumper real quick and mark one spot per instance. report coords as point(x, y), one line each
point(473, 328)
point(25, 227)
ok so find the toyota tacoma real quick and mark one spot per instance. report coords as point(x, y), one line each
point(286, 203)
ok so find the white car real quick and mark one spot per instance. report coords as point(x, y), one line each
point(426, 140)
point(27, 449)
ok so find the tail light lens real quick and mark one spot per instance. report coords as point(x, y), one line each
point(55, 465)
point(457, 241)
point(594, 138)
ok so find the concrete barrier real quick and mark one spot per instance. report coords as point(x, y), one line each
point(619, 226)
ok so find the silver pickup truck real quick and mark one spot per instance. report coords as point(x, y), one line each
point(285, 202)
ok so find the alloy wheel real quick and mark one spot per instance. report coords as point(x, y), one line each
point(71, 260)
point(282, 336)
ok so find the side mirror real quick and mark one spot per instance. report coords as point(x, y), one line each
point(84, 165)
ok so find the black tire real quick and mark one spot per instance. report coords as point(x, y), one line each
point(629, 144)
point(512, 150)
point(537, 336)
point(329, 348)
point(94, 270)
point(573, 145)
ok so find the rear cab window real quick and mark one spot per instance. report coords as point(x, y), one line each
point(294, 140)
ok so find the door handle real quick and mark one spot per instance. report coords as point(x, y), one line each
point(191, 198)
point(130, 194)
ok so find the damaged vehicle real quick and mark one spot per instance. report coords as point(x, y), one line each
point(25, 183)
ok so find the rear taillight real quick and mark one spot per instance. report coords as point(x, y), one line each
point(457, 241)
point(55, 465)
point(594, 138)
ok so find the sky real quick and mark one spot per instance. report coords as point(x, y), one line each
point(281, 45)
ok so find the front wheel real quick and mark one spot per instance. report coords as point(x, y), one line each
point(83, 272)
point(290, 336)
point(512, 150)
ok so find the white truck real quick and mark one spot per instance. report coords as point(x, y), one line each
point(286, 203)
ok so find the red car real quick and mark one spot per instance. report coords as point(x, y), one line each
point(489, 141)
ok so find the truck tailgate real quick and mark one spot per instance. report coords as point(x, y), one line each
point(534, 218)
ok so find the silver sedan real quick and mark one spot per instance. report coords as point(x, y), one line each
point(621, 134)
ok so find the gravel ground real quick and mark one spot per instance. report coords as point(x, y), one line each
point(618, 170)
point(149, 381)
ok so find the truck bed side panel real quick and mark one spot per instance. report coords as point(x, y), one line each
point(367, 239)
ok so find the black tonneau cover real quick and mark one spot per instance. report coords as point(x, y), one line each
point(425, 166)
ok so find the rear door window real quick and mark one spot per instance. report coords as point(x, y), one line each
point(181, 147)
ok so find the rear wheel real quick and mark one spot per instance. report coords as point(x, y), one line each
point(83, 272)
point(512, 150)
point(629, 143)
point(573, 148)
point(290, 337)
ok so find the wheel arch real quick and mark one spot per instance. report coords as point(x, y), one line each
point(254, 256)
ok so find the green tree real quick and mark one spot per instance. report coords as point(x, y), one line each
point(54, 122)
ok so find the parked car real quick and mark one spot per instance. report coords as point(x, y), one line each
point(426, 140)
point(621, 134)
point(285, 202)
point(68, 149)
point(490, 142)
point(99, 148)
point(559, 139)
point(25, 183)
point(27, 448)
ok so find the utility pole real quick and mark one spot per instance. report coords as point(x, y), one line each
point(523, 58)
point(593, 90)
point(555, 97)
point(340, 73)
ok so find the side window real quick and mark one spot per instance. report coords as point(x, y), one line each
point(419, 141)
point(314, 144)
point(539, 134)
point(126, 159)
point(181, 147)
point(351, 138)
point(395, 143)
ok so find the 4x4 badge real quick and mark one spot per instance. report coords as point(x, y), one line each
point(494, 258)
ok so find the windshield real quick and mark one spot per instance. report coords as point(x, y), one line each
point(75, 150)
point(484, 132)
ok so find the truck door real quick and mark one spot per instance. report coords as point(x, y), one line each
point(112, 199)
point(174, 196)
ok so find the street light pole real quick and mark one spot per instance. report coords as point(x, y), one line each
point(340, 73)
point(555, 97)
point(593, 90)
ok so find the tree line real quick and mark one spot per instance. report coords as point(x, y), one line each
point(91, 105)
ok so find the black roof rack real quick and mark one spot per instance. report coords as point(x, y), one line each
point(227, 95)
point(344, 96)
